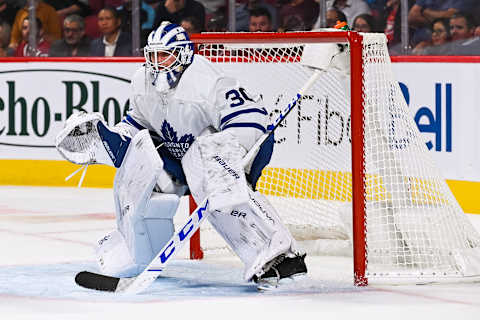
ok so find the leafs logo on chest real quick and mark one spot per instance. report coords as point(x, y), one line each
point(177, 147)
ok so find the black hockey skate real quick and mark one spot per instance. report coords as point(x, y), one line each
point(280, 270)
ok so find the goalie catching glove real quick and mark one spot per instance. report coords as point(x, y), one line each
point(87, 139)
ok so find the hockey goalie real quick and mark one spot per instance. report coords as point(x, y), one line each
point(188, 128)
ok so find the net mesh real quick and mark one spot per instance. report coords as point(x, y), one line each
point(414, 228)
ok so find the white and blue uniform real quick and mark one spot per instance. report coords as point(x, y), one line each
point(204, 98)
point(177, 97)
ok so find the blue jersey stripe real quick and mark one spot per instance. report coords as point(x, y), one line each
point(245, 125)
point(128, 119)
point(239, 112)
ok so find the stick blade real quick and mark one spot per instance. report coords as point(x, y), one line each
point(96, 281)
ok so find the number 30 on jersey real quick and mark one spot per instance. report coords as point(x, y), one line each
point(238, 97)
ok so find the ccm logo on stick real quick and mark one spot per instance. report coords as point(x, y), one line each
point(183, 234)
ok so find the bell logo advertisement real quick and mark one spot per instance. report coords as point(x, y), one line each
point(444, 101)
point(435, 119)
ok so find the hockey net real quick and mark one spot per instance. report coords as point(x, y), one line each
point(407, 226)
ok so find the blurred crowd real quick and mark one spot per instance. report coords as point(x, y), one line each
point(66, 28)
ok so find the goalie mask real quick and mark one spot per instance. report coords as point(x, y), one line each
point(168, 52)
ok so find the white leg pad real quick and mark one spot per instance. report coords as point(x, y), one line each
point(127, 251)
point(151, 229)
point(144, 218)
point(155, 228)
point(254, 232)
point(212, 166)
point(245, 219)
point(113, 257)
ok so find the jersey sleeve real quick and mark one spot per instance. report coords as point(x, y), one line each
point(239, 111)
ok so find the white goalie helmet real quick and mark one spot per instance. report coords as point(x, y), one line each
point(168, 49)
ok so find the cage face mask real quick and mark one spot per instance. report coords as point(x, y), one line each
point(168, 51)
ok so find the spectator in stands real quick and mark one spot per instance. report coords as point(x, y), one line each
point(191, 25)
point(175, 10)
point(424, 11)
point(8, 12)
point(352, 8)
point(114, 42)
point(470, 47)
point(461, 26)
point(260, 20)
point(297, 15)
point(147, 17)
point(334, 15)
point(244, 8)
point(24, 49)
point(440, 36)
point(47, 15)
point(68, 7)
point(463, 42)
point(364, 23)
point(74, 42)
point(4, 38)
point(462, 29)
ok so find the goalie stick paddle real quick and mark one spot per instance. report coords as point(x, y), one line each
point(96, 281)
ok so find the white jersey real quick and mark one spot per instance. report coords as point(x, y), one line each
point(203, 98)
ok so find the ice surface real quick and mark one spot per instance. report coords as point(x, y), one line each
point(47, 236)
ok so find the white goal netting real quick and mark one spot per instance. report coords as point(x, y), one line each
point(414, 227)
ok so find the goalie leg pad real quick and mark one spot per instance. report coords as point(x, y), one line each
point(113, 257)
point(213, 168)
point(255, 233)
point(144, 218)
point(140, 236)
point(152, 228)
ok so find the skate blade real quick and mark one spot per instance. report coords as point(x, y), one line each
point(288, 283)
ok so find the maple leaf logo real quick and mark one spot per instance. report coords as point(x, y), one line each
point(176, 147)
point(168, 132)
